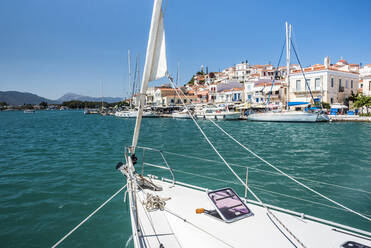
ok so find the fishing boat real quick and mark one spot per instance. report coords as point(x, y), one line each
point(181, 114)
point(166, 212)
point(289, 115)
point(216, 112)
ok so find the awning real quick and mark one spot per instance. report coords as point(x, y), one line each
point(256, 89)
point(275, 88)
point(298, 103)
point(338, 106)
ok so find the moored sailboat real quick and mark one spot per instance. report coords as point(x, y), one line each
point(289, 115)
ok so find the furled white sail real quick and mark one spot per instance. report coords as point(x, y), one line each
point(155, 66)
point(159, 63)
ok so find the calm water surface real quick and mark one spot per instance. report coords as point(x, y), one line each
point(57, 167)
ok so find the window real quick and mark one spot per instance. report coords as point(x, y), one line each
point(172, 100)
point(346, 83)
point(332, 82)
point(351, 83)
point(307, 84)
point(249, 97)
point(339, 83)
point(369, 85)
point(317, 84)
point(332, 100)
point(298, 85)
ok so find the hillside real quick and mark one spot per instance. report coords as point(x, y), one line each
point(20, 98)
point(71, 96)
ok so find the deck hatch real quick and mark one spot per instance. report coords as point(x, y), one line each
point(228, 204)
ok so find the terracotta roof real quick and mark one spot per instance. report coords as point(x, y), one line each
point(322, 68)
point(233, 89)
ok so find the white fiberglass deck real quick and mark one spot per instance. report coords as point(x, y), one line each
point(179, 225)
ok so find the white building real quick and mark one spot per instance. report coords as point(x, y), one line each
point(229, 95)
point(326, 82)
point(365, 80)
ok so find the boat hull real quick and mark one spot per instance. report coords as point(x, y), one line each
point(219, 116)
point(180, 116)
point(133, 114)
point(294, 116)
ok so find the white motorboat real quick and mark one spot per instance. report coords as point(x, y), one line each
point(168, 213)
point(181, 114)
point(133, 114)
point(217, 113)
point(284, 116)
point(29, 111)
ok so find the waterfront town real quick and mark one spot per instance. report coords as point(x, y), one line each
point(339, 88)
point(332, 83)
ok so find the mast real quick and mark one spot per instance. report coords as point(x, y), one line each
point(130, 85)
point(288, 55)
point(155, 66)
point(178, 74)
point(102, 95)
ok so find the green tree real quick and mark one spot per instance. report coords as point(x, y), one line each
point(43, 104)
point(326, 105)
point(362, 101)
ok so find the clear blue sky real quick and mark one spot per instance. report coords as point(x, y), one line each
point(50, 47)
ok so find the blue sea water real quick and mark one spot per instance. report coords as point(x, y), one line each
point(56, 167)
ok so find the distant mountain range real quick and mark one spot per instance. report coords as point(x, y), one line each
point(20, 98)
point(71, 96)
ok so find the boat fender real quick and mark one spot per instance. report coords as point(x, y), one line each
point(119, 165)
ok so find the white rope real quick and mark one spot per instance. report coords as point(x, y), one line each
point(199, 228)
point(266, 162)
point(230, 168)
point(264, 171)
point(263, 190)
point(87, 218)
point(293, 179)
point(212, 146)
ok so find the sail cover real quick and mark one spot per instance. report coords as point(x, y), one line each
point(159, 63)
point(155, 66)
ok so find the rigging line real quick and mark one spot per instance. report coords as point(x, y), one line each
point(298, 182)
point(90, 215)
point(194, 225)
point(213, 147)
point(302, 71)
point(263, 171)
point(230, 168)
point(149, 217)
point(262, 189)
point(275, 73)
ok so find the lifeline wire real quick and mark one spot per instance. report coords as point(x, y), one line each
point(234, 173)
point(266, 162)
point(87, 218)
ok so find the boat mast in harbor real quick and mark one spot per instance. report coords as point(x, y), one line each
point(288, 56)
